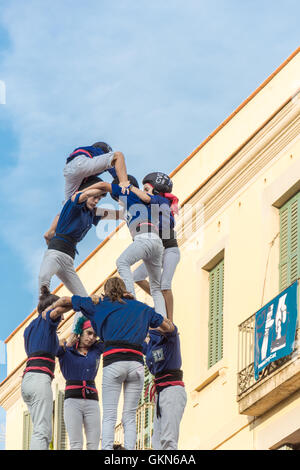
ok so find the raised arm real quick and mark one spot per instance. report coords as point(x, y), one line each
point(141, 194)
point(120, 166)
point(51, 232)
point(166, 326)
point(95, 190)
point(109, 214)
point(59, 307)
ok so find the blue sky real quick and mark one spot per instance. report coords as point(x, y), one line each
point(153, 79)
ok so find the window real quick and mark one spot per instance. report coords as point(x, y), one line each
point(60, 434)
point(215, 324)
point(289, 263)
point(27, 430)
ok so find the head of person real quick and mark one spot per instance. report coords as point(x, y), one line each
point(46, 299)
point(103, 146)
point(88, 335)
point(157, 183)
point(132, 180)
point(92, 201)
point(115, 289)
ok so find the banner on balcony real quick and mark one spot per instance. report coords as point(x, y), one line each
point(275, 329)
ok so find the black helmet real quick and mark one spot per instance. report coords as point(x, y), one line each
point(86, 182)
point(103, 146)
point(161, 182)
point(132, 180)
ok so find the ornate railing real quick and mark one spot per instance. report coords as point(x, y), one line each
point(144, 420)
point(246, 379)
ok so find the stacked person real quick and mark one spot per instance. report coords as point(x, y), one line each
point(122, 323)
point(41, 345)
point(163, 358)
point(160, 184)
point(141, 211)
point(79, 365)
point(77, 217)
point(85, 162)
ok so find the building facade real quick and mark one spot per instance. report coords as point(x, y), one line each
point(238, 231)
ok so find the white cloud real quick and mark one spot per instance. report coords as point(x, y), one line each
point(153, 79)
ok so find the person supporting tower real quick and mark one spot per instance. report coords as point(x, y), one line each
point(79, 365)
point(41, 344)
point(122, 323)
point(161, 184)
point(163, 358)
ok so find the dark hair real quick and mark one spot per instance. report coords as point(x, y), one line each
point(86, 182)
point(115, 289)
point(46, 299)
point(103, 146)
point(132, 180)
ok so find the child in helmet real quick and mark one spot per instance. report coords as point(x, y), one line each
point(158, 183)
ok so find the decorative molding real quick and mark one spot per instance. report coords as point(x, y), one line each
point(245, 165)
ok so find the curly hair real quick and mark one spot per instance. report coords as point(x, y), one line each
point(115, 289)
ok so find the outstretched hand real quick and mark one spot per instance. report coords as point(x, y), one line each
point(97, 298)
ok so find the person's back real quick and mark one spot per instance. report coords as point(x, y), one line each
point(122, 323)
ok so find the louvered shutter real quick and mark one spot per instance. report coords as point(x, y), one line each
point(215, 324)
point(289, 264)
point(60, 435)
point(27, 430)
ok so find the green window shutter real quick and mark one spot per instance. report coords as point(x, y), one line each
point(215, 324)
point(27, 430)
point(289, 263)
point(60, 434)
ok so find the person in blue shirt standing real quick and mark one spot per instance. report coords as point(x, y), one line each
point(159, 183)
point(122, 323)
point(78, 215)
point(163, 358)
point(79, 365)
point(141, 212)
point(41, 345)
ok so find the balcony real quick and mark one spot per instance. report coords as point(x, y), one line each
point(276, 382)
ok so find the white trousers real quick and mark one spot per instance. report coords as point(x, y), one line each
point(81, 414)
point(81, 167)
point(130, 375)
point(150, 250)
point(171, 257)
point(37, 394)
point(57, 263)
point(172, 401)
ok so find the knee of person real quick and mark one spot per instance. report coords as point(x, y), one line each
point(118, 155)
point(120, 262)
point(166, 289)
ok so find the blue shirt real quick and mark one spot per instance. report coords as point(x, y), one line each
point(115, 321)
point(137, 211)
point(163, 351)
point(40, 335)
point(76, 366)
point(76, 219)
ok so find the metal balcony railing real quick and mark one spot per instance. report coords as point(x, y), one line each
point(246, 379)
point(144, 424)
